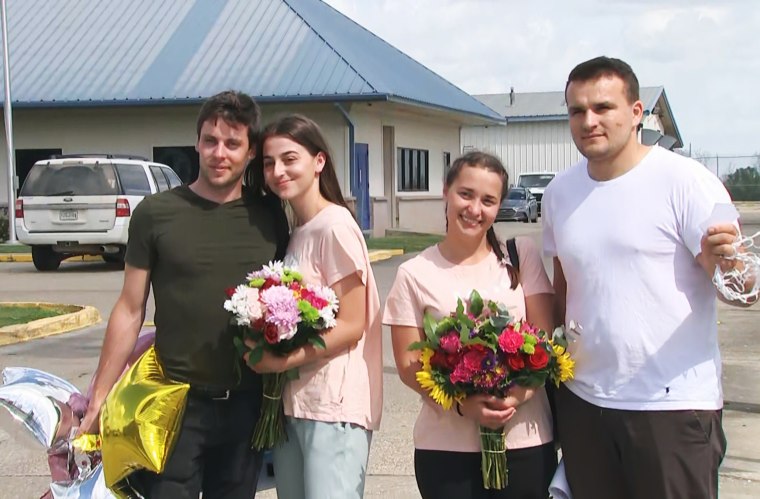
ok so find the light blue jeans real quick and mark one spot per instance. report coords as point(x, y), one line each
point(321, 460)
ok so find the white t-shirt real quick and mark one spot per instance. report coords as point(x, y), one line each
point(627, 248)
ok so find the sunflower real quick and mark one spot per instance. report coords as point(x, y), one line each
point(426, 381)
point(425, 356)
point(565, 363)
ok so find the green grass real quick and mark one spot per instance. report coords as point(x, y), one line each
point(13, 314)
point(409, 244)
point(15, 248)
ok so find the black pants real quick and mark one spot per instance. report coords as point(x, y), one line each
point(213, 452)
point(457, 475)
point(639, 454)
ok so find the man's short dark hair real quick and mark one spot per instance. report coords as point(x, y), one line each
point(606, 66)
point(233, 107)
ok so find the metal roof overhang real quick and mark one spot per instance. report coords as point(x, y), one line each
point(274, 99)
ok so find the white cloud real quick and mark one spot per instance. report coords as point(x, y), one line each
point(703, 52)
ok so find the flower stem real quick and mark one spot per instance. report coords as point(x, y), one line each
point(493, 455)
point(270, 429)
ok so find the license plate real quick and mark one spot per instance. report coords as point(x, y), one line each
point(69, 215)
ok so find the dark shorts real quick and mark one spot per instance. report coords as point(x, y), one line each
point(639, 454)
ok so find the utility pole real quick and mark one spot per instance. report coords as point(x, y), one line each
point(7, 111)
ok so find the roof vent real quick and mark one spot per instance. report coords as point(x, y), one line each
point(511, 96)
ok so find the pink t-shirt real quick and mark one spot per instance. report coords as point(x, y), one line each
point(430, 283)
point(346, 388)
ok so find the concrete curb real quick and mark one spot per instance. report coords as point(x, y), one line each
point(378, 255)
point(27, 257)
point(82, 316)
point(374, 256)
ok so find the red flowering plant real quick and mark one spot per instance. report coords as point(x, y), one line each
point(279, 313)
point(481, 349)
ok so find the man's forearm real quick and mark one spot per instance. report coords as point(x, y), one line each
point(119, 343)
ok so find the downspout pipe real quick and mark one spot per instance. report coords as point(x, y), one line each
point(351, 148)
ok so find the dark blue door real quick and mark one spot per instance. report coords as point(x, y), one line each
point(361, 184)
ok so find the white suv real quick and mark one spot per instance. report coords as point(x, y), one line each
point(81, 205)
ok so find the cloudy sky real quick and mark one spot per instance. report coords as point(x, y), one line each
point(705, 53)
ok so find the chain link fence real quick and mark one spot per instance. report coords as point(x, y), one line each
point(740, 174)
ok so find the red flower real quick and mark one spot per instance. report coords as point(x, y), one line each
point(539, 359)
point(461, 374)
point(510, 340)
point(269, 283)
point(258, 325)
point(515, 362)
point(441, 359)
point(270, 334)
point(313, 299)
point(473, 358)
point(229, 292)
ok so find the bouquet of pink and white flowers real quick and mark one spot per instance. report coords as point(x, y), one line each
point(280, 313)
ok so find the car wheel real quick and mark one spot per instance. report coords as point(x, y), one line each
point(45, 259)
point(116, 258)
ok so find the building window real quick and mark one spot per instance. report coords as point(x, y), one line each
point(413, 168)
point(446, 165)
point(26, 158)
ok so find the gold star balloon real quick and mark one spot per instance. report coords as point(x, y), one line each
point(140, 421)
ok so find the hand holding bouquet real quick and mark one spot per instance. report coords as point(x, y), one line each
point(481, 349)
point(278, 313)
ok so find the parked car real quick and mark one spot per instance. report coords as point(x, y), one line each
point(536, 183)
point(81, 205)
point(519, 204)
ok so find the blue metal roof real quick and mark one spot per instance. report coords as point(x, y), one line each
point(112, 52)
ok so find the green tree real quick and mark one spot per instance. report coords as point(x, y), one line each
point(744, 184)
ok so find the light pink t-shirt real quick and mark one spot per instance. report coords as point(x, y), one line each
point(430, 283)
point(346, 388)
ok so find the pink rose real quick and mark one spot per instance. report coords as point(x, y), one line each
point(253, 305)
point(450, 343)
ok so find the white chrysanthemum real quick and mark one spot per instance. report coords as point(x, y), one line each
point(328, 318)
point(239, 305)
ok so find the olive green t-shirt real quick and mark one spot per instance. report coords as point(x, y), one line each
point(196, 249)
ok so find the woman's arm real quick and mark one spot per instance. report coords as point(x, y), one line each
point(351, 320)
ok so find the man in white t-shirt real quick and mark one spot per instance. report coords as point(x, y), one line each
point(633, 262)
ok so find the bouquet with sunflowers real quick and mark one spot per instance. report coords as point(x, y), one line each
point(481, 349)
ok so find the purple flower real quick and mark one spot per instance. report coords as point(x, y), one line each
point(281, 310)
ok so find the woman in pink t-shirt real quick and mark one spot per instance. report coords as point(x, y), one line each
point(447, 443)
point(335, 404)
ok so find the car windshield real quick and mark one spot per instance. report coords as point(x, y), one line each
point(516, 194)
point(70, 180)
point(535, 180)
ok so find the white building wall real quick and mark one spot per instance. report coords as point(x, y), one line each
point(137, 130)
point(525, 147)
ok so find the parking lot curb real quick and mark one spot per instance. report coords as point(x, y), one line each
point(27, 257)
point(374, 256)
point(378, 255)
point(81, 316)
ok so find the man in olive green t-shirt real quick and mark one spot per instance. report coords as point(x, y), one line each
point(192, 244)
